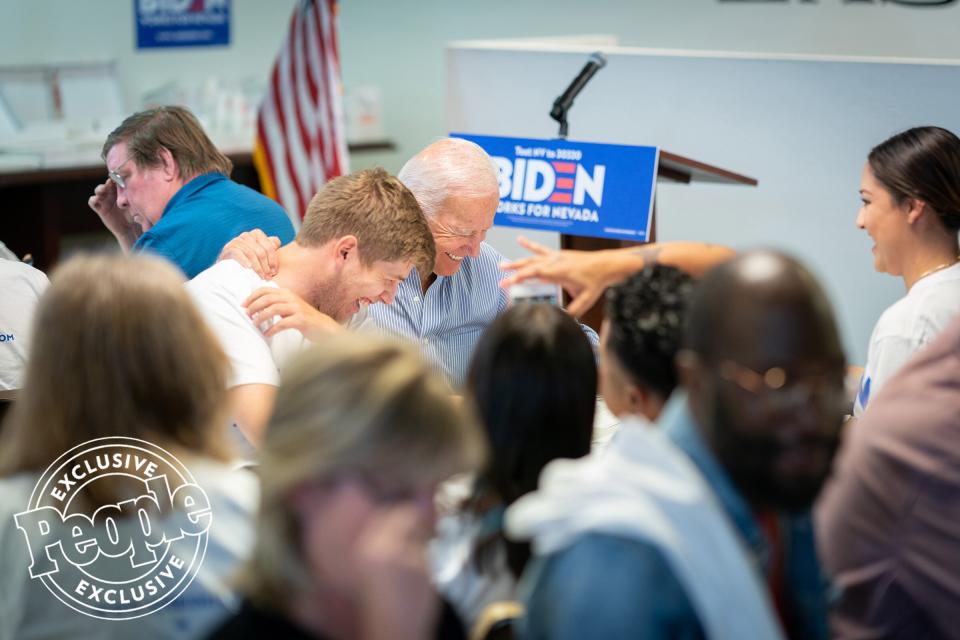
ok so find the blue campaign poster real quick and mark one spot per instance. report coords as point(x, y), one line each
point(182, 23)
point(578, 188)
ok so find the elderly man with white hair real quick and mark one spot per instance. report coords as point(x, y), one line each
point(447, 311)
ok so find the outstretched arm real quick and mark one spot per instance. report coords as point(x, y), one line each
point(586, 274)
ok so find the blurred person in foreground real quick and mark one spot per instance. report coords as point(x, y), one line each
point(888, 522)
point(762, 370)
point(360, 438)
point(120, 351)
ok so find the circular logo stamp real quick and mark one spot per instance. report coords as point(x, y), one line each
point(116, 528)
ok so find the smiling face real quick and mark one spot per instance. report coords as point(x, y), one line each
point(145, 192)
point(358, 285)
point(885, 221)
point(459, 228)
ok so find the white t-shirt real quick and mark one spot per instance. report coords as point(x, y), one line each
point(29, 611)
point(220, 292)
point(906, 327)
point(22, 286)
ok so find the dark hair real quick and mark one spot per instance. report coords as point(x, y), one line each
point(534, 382)
point(647, 315)
point(174, 129)
point(922, 163)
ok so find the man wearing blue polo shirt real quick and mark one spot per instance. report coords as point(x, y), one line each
point(169, 192)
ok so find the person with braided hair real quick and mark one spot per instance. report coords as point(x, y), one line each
point(639, 339)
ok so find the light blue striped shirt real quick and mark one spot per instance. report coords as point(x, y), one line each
point(449, 319)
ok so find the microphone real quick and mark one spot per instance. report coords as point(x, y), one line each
point(563, 103)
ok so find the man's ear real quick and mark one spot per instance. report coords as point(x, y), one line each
point(168, 165)
point(346, 248)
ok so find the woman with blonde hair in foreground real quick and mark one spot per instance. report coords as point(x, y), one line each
point(361, 435)
point(120, 353)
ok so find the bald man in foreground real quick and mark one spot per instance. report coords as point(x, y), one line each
point(763, 371)
point(758, 414)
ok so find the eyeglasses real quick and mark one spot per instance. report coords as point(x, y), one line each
point(776, 390)
point(116, 177)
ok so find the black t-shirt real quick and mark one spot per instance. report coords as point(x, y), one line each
point(255, 623)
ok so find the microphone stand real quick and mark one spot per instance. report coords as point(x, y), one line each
point(561, 106)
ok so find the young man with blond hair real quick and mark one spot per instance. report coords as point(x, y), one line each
point(361, 236)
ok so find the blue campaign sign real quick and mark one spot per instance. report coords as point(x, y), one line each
point(182, 23)
point(578, 188)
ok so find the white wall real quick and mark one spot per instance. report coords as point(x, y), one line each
point(411, 36)
point(399, 45)
point(65, 31)
point(801, 127)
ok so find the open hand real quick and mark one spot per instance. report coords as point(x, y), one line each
point(295, 313)
point(573, 270)
point(254, 250)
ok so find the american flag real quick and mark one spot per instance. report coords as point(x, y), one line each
point(300, 131)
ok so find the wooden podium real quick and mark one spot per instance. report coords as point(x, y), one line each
point(673, 168)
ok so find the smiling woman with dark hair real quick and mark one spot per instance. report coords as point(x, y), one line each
point(911, 209)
